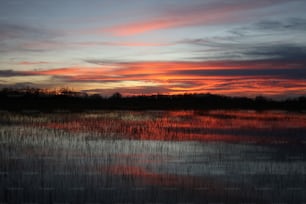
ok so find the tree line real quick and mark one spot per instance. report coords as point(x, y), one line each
point(66, 99)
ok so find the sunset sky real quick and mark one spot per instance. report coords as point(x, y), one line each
point(231, 47)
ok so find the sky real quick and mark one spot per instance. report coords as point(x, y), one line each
point(230, 47)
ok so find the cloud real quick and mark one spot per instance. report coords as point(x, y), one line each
point(122, 44)
point(27, 38)
point(268, 72)
point(12, 73)
point(32, 63)
point(18, 31)
point(288, 24)
point(284, 66)
point(9, 31)
point(70, 71)
point(102, 61)
point(242, 47)
point(163, 70)
point(281, 52)
point(47, 45)
point(267, 27)
point(272, 77)
point(210, 13)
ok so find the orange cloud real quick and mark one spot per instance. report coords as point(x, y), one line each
point(141, 27)
point(244, 78)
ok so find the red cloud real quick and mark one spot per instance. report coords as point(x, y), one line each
point(227, 77)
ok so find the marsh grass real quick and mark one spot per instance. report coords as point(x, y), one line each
point(152, 156)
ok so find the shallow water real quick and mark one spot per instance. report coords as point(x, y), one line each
point(153, 157)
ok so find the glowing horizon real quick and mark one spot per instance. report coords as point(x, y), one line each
point(234, 48)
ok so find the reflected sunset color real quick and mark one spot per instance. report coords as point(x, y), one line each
point(227, 126)
point(153, 156)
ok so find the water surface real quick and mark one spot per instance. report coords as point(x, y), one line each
point(153, 157)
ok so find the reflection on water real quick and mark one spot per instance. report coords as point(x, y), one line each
point(153, 157)
point(235, 126)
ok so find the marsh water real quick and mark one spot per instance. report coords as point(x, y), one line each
point(153, 157)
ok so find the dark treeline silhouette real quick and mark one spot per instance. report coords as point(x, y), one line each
point(65, 99)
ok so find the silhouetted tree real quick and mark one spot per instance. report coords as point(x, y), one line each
point(260, 99)
point(95, 96)
point(40, 99)
point(116, 95)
